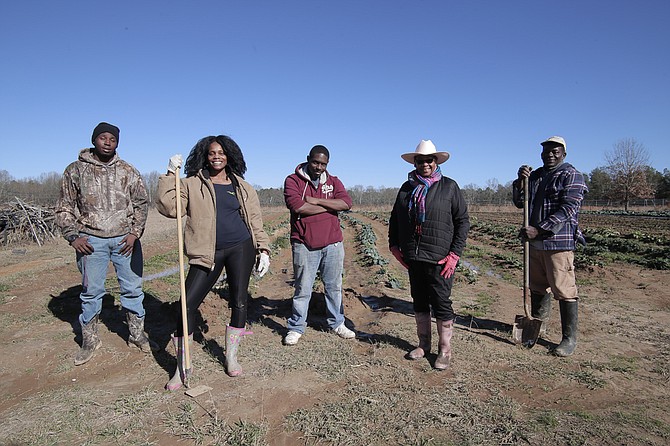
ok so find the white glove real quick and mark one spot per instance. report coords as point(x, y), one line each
point(175, 163)
point(263, 265)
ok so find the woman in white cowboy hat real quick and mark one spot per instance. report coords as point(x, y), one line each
point(428, 228)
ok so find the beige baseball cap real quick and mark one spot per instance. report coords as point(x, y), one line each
point(555, 140)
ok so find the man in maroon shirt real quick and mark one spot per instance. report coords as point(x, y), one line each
point(314, 198)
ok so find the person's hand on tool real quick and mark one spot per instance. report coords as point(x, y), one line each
point(175, 163)
point(524, 172)
point(449, 262)
point(398, 255)
point(528, 232)
point(263, 264)
point(532, 233)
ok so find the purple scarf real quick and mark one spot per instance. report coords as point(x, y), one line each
point(417, 202)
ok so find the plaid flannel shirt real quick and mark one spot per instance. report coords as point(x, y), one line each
point(563, 195)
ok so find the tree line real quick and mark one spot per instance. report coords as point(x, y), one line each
point(625, 177)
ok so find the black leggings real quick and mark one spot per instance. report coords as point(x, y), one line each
point(239, 260)
point(430, 290)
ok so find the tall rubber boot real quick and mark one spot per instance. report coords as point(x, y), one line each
point(540, 308)
point(137, 335)
point(423, 332)
point(177, 380)
point(569, 325)
point(90, 342)
point(233, 339)
point(445, 330)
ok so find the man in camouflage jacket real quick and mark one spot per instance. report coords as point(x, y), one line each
point(101, 212)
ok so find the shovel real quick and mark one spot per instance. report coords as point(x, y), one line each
point(182, 283)
point(526, 330)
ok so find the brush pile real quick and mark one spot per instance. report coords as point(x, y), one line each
point(21, 222)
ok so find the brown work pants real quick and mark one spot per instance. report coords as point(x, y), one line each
point(555, 271)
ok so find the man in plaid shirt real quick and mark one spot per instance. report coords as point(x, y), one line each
point(556, 191)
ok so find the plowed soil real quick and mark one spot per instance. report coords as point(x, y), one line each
point(613, 390)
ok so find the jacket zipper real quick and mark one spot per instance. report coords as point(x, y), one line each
point(212, 193)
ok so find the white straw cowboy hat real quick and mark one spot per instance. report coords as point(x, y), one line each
point(426, 148)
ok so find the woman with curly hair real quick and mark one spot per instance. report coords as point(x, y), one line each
point(224, 228)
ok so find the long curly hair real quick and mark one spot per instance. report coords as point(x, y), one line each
point(197, 159)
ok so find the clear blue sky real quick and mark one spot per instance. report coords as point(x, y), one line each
point(485, 80)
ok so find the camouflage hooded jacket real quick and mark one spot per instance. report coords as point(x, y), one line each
point(103, 200)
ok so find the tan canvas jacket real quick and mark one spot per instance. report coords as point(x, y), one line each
point(103, 200)
point(198, 205)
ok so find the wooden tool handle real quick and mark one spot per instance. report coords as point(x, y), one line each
point(526, 253)
point(182, 280)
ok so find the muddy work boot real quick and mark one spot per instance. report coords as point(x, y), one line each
point(423, 332)
point(540, 305)
point(137, 335)
point(90, 342)
point(569, 326)
point(445, 330)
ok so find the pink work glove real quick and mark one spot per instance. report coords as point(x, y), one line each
point(449, 262)
point(398, 255)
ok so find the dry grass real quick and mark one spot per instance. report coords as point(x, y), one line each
point(328, 391)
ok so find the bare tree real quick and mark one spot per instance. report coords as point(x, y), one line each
point(356, 193)
point(5, 182)
point(627, 164)
point(49, 189)
point(273, 196)
point(151, 184)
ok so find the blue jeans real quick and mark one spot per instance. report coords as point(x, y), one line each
point(93, 268)
point(306, 263)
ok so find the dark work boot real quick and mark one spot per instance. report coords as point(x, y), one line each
point(540, 305)
point(540, 308)
point(569, 326)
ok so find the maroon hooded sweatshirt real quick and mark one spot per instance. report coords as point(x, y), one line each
point(320, 230)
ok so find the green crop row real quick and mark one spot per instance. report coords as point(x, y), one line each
point(369, 256)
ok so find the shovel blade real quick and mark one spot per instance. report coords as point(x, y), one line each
point(198, 390)
point(525, 330)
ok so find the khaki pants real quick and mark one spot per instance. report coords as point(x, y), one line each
point(553, 270)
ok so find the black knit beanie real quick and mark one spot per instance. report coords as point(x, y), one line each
point(105, 127)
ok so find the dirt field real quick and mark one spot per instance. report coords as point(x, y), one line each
point(613, 391)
